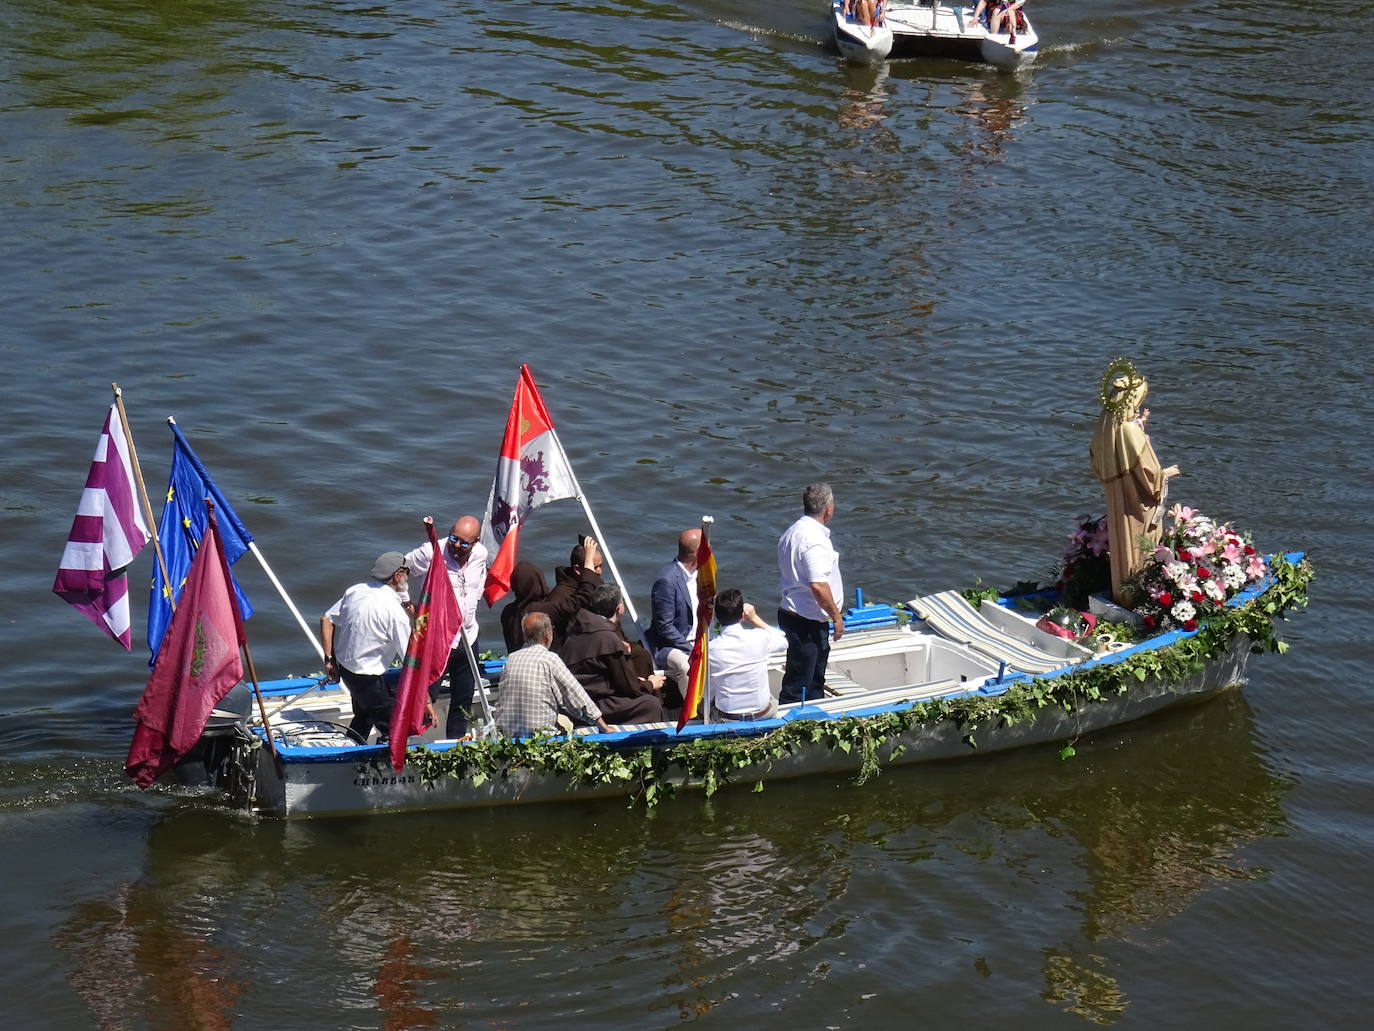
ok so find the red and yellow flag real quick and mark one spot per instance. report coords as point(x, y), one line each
point(706, 610)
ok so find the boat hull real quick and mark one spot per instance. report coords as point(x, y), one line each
point(942, 32)
point(363, 782)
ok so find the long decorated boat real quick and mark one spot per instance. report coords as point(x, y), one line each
point(936, 678)
point(910, 30)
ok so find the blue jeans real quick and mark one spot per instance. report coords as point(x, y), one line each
point(808, 650)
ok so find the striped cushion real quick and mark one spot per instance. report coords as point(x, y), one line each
point(950, 615)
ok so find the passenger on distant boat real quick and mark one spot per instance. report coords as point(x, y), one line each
point(1001, 16)
point(673, 610)
point(738, 661)
point(865, 11)
point(599, 657)
point(466, 561)
point(812, 592)
point(364, 632)
point(537, 687)
point(531, 594)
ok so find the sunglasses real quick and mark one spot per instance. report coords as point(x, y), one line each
point(455, 539)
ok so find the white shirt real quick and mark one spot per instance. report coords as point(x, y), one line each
point(371, 628)
point(738, 662)
point(805, 556)
point(468, 580)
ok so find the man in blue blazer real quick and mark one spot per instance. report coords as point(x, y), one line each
point(673, 610)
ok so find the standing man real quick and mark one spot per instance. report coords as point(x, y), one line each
point(466, 561)
point(536, 686)
point(739, 661)
point(812, 592)
point(673, 610)
point(363, 634)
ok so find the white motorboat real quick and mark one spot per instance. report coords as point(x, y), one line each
point(908, 30)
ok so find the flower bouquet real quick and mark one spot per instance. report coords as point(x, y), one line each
point(1197, 566)
point(1085, 567)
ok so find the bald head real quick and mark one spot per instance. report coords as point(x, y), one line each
point(462, 537)
point(687, 544)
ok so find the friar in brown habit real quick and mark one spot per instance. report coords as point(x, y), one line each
point(1125, 462)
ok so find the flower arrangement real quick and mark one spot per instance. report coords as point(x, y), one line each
point(1085, 567)
point(1197, 566)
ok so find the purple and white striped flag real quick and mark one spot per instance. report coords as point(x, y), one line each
point(108, 531)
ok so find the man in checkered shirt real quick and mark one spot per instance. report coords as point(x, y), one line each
point(536, 687)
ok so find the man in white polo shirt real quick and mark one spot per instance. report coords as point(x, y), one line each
point(812, 592)
point(739, 661)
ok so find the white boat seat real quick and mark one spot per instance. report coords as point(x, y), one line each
point(951, 616)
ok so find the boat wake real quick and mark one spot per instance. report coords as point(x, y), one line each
point(767, 32)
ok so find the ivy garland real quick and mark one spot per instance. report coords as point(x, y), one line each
point(652, 773)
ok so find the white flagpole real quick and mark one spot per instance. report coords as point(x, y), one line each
point(596, 532)
point(253, 547)
point(314, 641)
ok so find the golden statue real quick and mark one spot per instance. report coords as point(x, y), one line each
point(1125, 462)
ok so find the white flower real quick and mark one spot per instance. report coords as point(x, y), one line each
point(1183, 611)
point(1214, 590)
point(1175, 570)
point(1233, 575)
point(1187, 583)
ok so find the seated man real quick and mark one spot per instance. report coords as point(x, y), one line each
point(536, 687)
point(738, 661)
point(569, 596)
point(599, 657)
point(673, 610)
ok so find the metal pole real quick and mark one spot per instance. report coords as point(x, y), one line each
point(142, 489)
point(596, 532)
point(314, 641)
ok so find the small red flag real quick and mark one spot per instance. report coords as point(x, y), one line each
point(197, 664)
point(437, 622)
point(706, 612)
point(531, 471)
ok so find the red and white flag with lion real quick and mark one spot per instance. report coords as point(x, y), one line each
point(532, 471)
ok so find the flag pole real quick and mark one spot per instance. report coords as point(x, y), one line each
point(262, 561)
point(257, 693)
point(487, 716)
point(142, 487)
point(600, 542)
point(708, 692)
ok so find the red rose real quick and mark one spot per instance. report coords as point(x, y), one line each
point(1149, 621)
point(1190, 624)
point(1249, 550)
point(1197, 596)
point(1203, 573)
point(1166, 599)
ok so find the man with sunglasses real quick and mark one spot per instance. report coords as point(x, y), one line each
point(466, 561)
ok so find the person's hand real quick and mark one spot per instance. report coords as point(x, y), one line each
point(331, 670)
point(1171, 471)
point(656, 681)
point(591, 555)
point(839, 627)
point(749, 612)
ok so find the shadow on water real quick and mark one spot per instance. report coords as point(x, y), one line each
point(624, 915)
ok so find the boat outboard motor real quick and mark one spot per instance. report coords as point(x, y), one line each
point(228, 722)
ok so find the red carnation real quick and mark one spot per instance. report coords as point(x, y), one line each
point(1185, 555)
point(1190, 624)
point(1149, 621)
point(1197, 596)
point(1249, 550)
point(1166, 599)
point(1203, 573)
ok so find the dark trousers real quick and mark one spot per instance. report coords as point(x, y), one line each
point(808, 650)
point(373, 698)
point(462, 688)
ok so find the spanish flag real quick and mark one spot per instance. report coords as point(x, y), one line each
point(697, 667)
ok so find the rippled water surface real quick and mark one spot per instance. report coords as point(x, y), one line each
point(324, 236)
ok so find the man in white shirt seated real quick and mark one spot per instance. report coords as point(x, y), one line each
point(364, 632)
point(738, 661)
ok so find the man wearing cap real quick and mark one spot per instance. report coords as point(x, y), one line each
point(466, 561)
point(364, 632)
point(812, 592)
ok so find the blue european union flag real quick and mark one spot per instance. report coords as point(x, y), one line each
point(181, 529)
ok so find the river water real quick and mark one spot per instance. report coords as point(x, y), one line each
point(324, 236)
